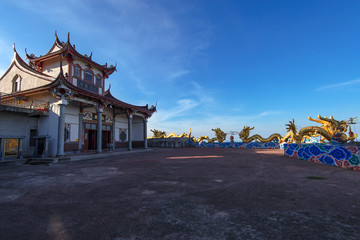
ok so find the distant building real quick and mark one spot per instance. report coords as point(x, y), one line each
point(56, 103)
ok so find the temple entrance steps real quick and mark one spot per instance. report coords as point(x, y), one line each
point(46, 161)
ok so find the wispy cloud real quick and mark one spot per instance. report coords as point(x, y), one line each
point(7, 54)
point(146, 35)
point(203, 125)
point(178, 74)
point(267, 113)
point(337, 85)
point(204, 95)
point(182, 107)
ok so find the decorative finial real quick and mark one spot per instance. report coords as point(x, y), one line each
point(68, 37)
point(90, 55)
point(56, 34)
point(14, 47)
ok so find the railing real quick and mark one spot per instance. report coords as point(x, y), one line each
point(25, 102)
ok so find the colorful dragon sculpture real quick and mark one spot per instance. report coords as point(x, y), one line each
point(220, 136)
point(329, 130)
point(162, 134)
point(245, 133)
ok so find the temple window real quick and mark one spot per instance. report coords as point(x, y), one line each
point(16, 83)
point(98, 80)
point(89, 75)
point(77, 71)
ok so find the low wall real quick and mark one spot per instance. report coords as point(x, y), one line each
point(241, 145)
point(168, 142)
point(334, 155)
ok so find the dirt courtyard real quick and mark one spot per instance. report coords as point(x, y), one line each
point(181, 194)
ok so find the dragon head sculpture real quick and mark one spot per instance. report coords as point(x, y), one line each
point(245, 133)
point(220, 135)
point(158, 133)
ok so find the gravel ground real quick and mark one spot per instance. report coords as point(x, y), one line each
point(181, 194)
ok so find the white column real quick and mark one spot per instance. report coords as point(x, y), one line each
point(113, 133)
point(61, 127)
point(99, 111)
point(130, 117)
point(145, 133)
point(80, 132)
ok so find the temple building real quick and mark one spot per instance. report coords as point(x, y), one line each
point(56, 104)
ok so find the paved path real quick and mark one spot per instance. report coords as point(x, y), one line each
point(181, 194)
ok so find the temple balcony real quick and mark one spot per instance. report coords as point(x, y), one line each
point(21, 104)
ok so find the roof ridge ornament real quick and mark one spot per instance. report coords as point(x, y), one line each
point(14, 47)
point(29, 56)
point(68, 40)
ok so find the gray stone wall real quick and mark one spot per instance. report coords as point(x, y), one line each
point(168, 142)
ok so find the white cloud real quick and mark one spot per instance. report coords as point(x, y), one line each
point(268, 113)
point(337, 85)
point(204, 95)
point(202, 126)
point(182, 106)
point(178, 74)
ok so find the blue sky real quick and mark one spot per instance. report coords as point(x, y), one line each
point(208, 64)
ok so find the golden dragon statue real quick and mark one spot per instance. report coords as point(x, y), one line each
point(329, 130)
point(220, 136)
point(245, 133)
point(162, 134)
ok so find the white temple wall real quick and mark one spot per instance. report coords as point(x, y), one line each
point(138, 129)
point(27, 81)
point(52, 68)
point(49, 125)
point(72, 118)
point(121, 123)
point(16, 125)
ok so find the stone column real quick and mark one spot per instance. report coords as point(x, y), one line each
point(2, 153)
point(80, 132)
point(21, 152)
point(99, 111)
point(61, 127)
point(145, 133)
point(113, 132)
point(130, 117)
